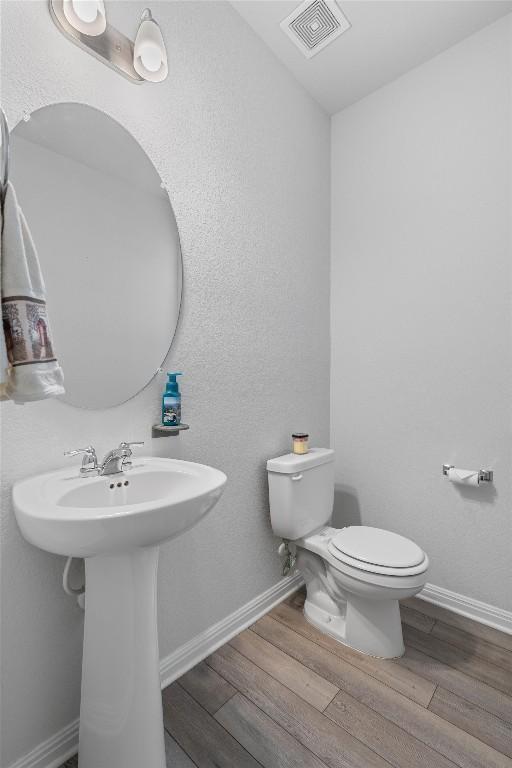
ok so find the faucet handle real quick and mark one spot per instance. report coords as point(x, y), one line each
point(128, 448)
point(89, 451)
point(129, 445)
point(89, 461)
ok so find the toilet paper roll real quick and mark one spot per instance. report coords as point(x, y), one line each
point(464, 476)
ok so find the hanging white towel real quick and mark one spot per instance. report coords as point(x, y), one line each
point(4, 363)
point(33, 372)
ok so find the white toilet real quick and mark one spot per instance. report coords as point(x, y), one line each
point(354, 576)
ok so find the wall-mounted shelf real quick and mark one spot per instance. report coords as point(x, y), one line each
point(160, 430)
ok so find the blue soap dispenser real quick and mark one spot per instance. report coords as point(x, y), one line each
point(171, 402)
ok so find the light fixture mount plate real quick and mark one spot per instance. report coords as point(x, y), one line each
point(112, 47)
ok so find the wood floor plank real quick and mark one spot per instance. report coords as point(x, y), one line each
point(387, 739)
point(459, 659)
point(486, 727)
point(416, 619)
point(270, 744)
point(452, 742)
point(175, 757)
point(207, 687)
point(455, 744)
point(397, 677)
point(207, 743)
point(300, 679)
point(491, 635)
point(330, 743)
point(500, 657)
point(481, 694)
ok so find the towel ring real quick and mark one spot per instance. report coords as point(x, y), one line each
point(4, 165)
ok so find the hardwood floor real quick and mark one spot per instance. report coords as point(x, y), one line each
point(283, 695)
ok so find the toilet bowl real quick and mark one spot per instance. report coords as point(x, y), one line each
point(352, 600)
point(354, 576)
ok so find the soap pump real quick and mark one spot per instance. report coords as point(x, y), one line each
point(171, 402)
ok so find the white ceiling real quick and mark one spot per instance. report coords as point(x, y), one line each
point(387, 39)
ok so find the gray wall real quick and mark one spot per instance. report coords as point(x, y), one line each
point(422, 310)
point(245, 153)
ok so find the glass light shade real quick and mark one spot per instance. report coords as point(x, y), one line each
point(149, 53)
point(86, 16)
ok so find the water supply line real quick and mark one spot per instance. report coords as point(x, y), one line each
point(78, 592)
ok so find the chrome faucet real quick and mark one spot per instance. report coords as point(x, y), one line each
point(116, 460)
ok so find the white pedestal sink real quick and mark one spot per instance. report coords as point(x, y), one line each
point(117, 522)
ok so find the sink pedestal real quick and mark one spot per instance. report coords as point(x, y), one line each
point(121, 722)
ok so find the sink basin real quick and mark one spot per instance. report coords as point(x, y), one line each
point(117, 523)
point(157, 500)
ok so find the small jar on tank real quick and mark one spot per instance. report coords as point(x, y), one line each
point(300, 441)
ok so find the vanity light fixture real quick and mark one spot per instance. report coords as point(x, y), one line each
point(149, 54)
point(86, 16)
point(84, 22)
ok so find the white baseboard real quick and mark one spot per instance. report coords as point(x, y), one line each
point(62, 745)
point(190, 654)
point(484, 613)
point(52, 752)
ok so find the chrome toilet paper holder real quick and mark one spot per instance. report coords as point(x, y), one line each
point(484, 475)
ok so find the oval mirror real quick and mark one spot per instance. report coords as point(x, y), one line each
point(108, 245)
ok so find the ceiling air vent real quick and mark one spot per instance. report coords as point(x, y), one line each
point(314, 24)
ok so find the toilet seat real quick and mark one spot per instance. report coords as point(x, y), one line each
point(321, 543)
point(377, 551)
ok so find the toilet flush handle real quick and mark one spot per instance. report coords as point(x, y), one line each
point(297, 477)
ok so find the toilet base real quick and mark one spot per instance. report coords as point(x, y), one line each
point(372, 627)
point(357, 608)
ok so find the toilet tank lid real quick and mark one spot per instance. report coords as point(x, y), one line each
point(291, 463)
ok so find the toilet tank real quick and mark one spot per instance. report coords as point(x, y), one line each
point(301, 492)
